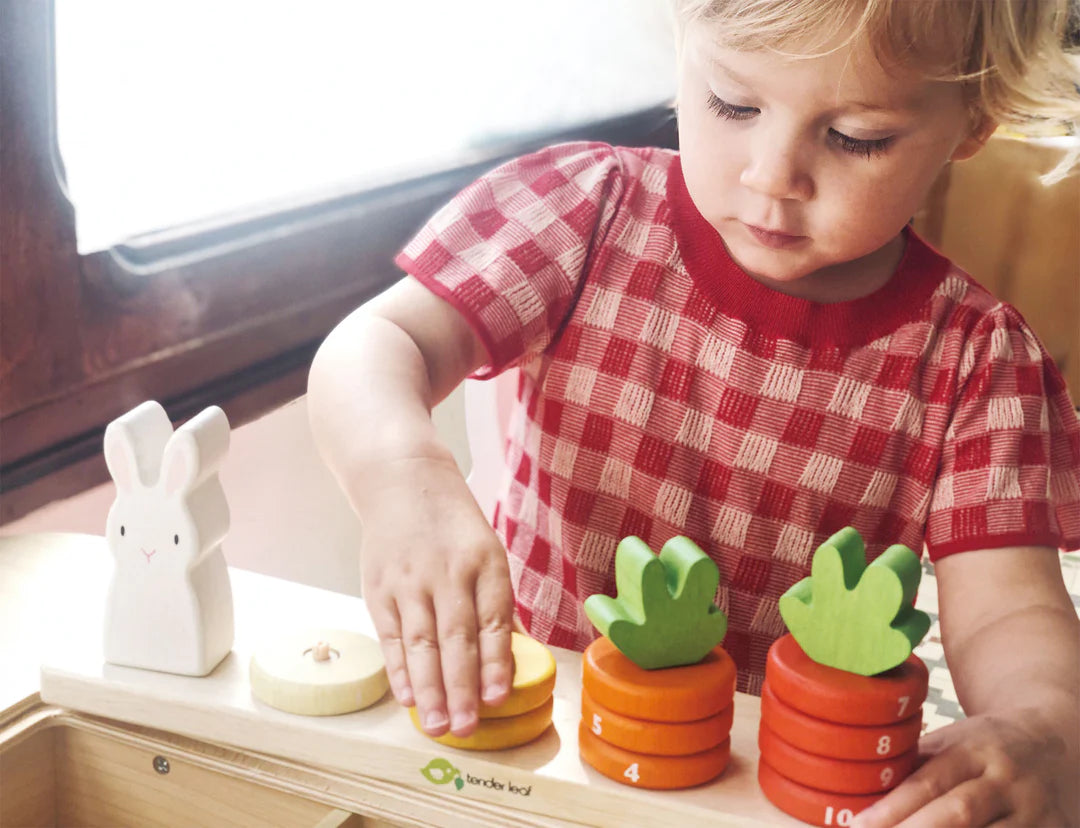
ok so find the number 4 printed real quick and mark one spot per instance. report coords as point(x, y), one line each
point(632, 774)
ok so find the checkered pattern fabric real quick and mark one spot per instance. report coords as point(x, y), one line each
point(666, 392)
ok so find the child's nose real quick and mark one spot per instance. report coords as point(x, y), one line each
point(774, 169)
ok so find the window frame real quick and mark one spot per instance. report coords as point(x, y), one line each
point(227, 312)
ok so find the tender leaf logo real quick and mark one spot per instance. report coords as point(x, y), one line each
point(440, 772)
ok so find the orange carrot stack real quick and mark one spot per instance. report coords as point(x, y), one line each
point(660, 729)
point(657, 689)
point(841, 705)
point(834, 742)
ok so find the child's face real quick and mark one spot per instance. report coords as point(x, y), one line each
point(832, 151)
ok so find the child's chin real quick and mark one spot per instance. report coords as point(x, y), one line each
point(770, 268)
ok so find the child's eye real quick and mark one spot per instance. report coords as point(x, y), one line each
point(730, 111)
point(857, 146)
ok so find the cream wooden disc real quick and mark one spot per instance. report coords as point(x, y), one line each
point(287, 674)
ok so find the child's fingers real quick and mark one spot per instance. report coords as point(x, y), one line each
point(934, 779)
point(459, 656)
point(496, 619)
point(419, 636)
point(974, 802)
point(384, 616)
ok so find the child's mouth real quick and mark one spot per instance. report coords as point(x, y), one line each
point(773, 239)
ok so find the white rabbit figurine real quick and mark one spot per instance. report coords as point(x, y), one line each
point(170, 604)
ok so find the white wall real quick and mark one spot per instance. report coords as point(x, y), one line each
point(289, 518)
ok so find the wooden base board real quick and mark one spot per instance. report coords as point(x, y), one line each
point(546, 777)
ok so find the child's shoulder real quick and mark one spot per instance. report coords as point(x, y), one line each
point(980, 336)
point(572, 158)
point(966, 306)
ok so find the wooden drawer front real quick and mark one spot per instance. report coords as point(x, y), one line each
point(104, 782)
point(27, 782)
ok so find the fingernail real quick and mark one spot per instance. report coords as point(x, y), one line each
point(459, 721)
point(493, 692)
point(434, 720)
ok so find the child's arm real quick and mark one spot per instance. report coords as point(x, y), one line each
point(1012, 641)
point(435, 577)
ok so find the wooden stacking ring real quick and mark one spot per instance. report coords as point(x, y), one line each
point(866, 742)
point(840, 775)
point(655, 772)
point(499, 733)
point(674, 694)
point(659, 738)
point(843, 697)
point(808, 804)
point(533, 682)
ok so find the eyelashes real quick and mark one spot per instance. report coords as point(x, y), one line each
point(730, 111)
point(855, 146)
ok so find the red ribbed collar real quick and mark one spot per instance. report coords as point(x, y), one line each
point(813, 324)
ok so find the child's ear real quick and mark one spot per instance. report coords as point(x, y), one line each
point(980, 133)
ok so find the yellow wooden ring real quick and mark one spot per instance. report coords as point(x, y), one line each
point(533, 682)
point(497, 734)
point(286, 674)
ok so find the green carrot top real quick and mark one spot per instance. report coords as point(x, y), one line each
point(664, 614)
point(856, 617)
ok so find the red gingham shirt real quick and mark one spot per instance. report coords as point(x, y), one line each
point(665, 392)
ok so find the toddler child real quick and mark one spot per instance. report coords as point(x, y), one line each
point(744, 343)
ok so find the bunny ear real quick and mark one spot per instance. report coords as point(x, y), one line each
point(133, 445)
point(180, 465)
point(195, 451)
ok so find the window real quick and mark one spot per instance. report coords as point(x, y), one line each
point(191, 201)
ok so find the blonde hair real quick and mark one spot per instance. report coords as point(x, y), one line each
point(1011, 56)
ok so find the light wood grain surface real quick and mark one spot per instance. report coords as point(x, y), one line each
point(63, 602)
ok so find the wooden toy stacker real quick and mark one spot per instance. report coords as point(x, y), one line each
point(841, 706)
point(88, 749)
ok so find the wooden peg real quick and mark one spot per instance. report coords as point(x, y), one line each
point(657, 738)
point(824, 773)
point(642, 770)
point(677, 694)
point(838, 740)
point(843, 697)
point(809, 804)
point(664, 615)
point(856, 617)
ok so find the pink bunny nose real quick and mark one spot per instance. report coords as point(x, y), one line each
point(149, 556)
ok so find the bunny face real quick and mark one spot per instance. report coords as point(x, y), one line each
point(148, 530)
point(169, 506)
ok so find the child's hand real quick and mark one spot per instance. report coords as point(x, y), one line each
point(982, 770)
point(437, 584)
